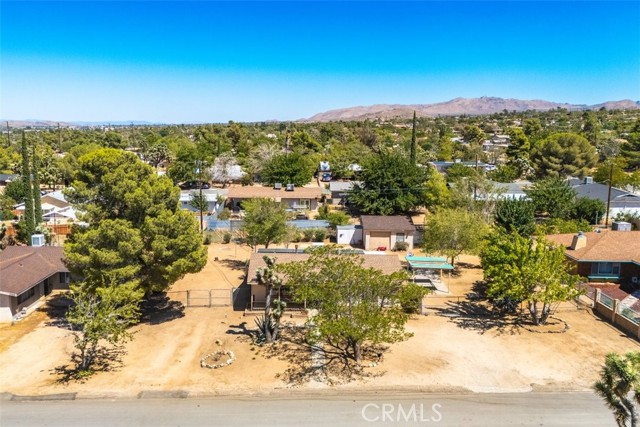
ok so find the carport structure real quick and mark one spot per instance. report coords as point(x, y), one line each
point(428, 271)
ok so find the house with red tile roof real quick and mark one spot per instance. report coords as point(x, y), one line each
point(27, 275)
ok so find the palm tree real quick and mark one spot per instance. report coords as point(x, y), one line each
point(619, 386)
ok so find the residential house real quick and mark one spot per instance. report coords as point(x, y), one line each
point(6, 178)
point(214, 196)
point(27, 275)
point(294, 198)
point(511, 190)
point(387, 263)
point(442, 166)
point(381, 231)
point(340, 190)
point(621, 201)
point(605, 256)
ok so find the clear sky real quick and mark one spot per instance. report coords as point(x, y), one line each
point(210, 61)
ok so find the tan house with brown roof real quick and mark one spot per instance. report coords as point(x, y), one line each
point(607, 256)
point(386, 263)
point(380, 231)
point(298, 198)
point(27, 274)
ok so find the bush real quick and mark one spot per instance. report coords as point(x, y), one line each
point(246, 179)
point(562, 226)
point(207, 239)
point(226, 237)
point(319, 234)
point(337, 218)
point(323, 212)
point(225, 214)
point(400, 246)
point(307, 234)
point(411, 298)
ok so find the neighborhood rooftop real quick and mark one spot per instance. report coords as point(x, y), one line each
point(22, 267)
point(381, 222)
point(256, 191)
point(386, 263)
point(618, 246)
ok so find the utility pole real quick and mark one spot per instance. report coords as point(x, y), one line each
point(199, 172)
point(606, 221)
point(59, 139)
point(8, 135)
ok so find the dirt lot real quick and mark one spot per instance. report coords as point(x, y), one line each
point(445, 353)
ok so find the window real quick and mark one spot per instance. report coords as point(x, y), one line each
point(605, 268)
point(26, 295)
point(62, 277)
point(400, 238)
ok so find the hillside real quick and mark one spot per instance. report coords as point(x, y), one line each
point(458, 106)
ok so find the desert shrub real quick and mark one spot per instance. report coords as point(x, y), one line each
point(319, 234)
point(307, 234)
point(400, 246)
point(411, 298)
point(226, 237)
point(207, 239)
point(560, 226)
point(225, 214)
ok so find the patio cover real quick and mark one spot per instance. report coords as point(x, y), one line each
point(428, 263)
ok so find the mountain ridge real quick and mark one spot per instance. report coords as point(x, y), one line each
point(459, 106)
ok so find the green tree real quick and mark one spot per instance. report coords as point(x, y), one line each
point(563, 154)
point(436, 191)
point(518, 269)
point(630, 149)
point(100, 321)
point(291, 168)
point(119, 191)
point(618, 176)
point(200, 203)
point(389, 184)
point(452, 232)
point(552, 196)
point(519, 145)
point(158, 153)
point(29, 209)
point(37, 202)
point(619, 386)
point(356, 306)
point(265, 222)
point(516, 216)
point(591, 210)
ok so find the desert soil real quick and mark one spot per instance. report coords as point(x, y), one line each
point(444, 354)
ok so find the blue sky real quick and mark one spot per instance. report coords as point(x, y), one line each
point(212, 61)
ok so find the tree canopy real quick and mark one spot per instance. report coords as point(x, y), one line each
point(291, 168)
point(562, 155)
point(519, 269)
point(389, 184)
point(136, 231)
point(265, 222)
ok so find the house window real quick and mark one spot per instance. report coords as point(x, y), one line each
point(605, 268)
point(26, 295)
point(400, 238)
point(62, 277)
point(305, 202)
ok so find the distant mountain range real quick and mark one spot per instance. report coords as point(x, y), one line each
point(36, 123)
point(460, 106)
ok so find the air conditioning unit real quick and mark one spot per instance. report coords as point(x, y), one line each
point(37, 240)
point(289, 187)
point(277, 186)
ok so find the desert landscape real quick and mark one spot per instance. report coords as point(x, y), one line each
point(450, 350)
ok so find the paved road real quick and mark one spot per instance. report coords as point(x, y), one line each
point(465, 410)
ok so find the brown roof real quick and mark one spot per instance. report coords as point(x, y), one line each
point(386, 263)
point(22, 267)
point(386, 223)
point(255, 191)
point(619, 246)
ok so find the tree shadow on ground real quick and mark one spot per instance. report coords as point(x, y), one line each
point(308, 362)
point(477, 314)
point(241, 297)
point(159, 308)
point(56, 309)
point(108, 359)
point(234, 264)
point(459, 267)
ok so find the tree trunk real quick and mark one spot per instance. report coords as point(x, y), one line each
point(533, 310)
point(267, 316)
point(356, 347)
point(546, 312)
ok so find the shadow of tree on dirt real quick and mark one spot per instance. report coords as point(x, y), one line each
point(308, 362)
point(159, 308)
point(108, 359)
point(56, 308)
point(234, 264)
point(476, 313)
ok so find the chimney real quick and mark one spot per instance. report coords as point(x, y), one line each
point(579, 241)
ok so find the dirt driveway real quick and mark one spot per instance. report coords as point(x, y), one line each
point(444, 353)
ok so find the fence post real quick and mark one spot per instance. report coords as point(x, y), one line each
point(188, 297)
point(210, 298)
point(616, 303)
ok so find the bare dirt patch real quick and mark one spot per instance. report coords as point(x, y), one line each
point(442, 355)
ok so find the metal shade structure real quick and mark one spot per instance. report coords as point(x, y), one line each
point(421, 267)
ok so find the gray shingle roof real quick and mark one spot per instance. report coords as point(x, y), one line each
point(386, 223)
point(22, 267)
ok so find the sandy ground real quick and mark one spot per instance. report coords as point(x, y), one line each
point(445, 353)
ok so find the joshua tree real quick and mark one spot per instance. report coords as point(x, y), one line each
point(619, 386)
point(268, 278)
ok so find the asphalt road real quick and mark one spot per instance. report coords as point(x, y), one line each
point(465, 410)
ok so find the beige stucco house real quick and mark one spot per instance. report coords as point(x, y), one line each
point(379, 231)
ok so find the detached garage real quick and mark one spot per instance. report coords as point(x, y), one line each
point(385, 231)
